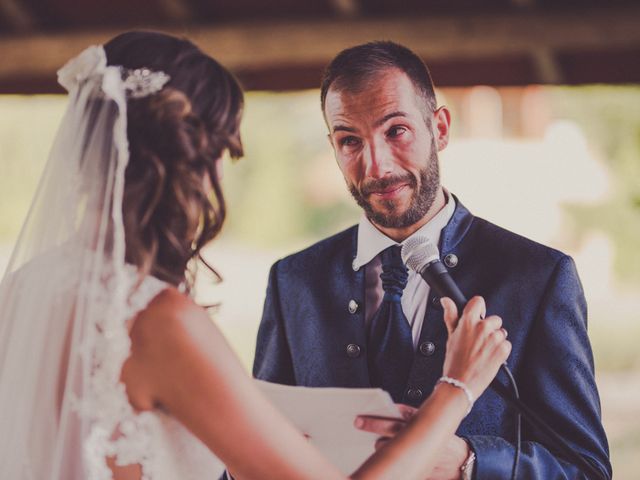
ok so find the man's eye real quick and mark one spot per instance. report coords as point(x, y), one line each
point(349, 141)
point(396, 131)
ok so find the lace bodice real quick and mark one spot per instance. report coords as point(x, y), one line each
point(163, 447)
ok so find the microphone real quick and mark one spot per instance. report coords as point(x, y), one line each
point(422, 256)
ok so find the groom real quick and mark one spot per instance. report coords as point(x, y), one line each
point(321, 311)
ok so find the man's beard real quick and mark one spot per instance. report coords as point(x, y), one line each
point(421, 200)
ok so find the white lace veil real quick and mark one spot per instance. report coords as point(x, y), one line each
point(64, 296)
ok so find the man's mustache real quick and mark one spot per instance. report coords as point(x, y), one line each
point(377, 185)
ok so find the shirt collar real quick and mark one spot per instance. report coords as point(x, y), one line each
point(372, 241)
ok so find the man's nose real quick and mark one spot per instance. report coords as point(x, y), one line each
point(378, 160)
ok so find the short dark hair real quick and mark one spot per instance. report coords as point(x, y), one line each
point(352, 66)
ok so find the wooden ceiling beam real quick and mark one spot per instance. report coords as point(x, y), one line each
point(540, 36)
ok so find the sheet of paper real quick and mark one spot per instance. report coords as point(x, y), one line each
point(326, 415)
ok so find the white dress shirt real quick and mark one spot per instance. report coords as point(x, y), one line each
point(371, 243)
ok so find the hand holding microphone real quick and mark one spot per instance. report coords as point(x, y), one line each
point(477, 346)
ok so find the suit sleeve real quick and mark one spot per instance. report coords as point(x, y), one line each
point(272, 360)
point(556, 379)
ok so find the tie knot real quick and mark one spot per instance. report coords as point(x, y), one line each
point(394, 274)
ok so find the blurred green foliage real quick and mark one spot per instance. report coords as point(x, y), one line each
point(610, 119)
point(27, 127)
point(273, 192)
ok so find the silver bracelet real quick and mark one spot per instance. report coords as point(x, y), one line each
point(462, 386)
point(467, 466)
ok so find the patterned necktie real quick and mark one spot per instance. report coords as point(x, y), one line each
point(390, 346)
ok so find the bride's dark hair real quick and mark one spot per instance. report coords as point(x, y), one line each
point(175, 138)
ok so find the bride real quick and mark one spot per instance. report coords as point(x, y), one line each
point(108, 369)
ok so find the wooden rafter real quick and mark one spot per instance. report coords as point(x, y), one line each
point(540, 37)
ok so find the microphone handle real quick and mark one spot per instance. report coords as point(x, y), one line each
point(437, 276)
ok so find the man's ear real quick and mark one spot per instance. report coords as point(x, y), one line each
point(441, 125)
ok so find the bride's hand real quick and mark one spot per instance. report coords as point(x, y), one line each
point(476, 347)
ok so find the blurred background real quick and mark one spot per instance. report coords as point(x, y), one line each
point(545, 99)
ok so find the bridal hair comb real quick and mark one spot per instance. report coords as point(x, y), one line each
point(92, 63)
point(142, 82)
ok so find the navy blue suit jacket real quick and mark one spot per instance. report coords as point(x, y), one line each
point(307, 326)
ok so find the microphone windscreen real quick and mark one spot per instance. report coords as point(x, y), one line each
point(417, 252)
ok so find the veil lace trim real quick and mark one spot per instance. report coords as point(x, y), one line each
point(67, 295)
point(117, 430)
point(114, 428)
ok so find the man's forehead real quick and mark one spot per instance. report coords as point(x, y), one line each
point(389, 93)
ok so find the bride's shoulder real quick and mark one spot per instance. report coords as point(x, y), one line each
point(172, 301)
point(170, 325)
point(166, 339)
point(169, 310)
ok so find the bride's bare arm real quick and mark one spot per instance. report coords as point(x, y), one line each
point(181, 362)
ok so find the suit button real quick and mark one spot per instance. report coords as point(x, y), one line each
point(414, 394)
point(451, 260)
point(353, 306)
point(427, 348)
point(435, 301)
point(353, 350)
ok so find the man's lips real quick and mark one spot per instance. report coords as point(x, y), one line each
point(390, 191)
